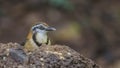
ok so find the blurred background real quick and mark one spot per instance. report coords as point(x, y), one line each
point(91, 27)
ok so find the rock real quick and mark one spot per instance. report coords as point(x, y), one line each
point(18, 55)
point(54, 56)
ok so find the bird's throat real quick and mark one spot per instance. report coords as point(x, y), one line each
point(39, 38)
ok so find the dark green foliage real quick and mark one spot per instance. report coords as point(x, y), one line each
point(64, 4)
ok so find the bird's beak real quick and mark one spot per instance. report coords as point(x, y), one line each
point(50, 29)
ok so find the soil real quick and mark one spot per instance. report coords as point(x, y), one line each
point(13, 55)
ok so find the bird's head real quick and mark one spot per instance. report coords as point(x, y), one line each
point(42, 28)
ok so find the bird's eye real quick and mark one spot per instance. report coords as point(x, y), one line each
point(42, 28)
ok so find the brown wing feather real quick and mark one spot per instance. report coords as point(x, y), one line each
point(30, 35)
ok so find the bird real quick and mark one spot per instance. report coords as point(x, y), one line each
point(38, 36)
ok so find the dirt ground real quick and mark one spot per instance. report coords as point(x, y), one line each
point(12, 55)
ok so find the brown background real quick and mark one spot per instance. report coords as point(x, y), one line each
point(91, 27)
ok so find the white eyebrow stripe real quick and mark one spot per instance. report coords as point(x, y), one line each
point(38, 25)
point(35, 26)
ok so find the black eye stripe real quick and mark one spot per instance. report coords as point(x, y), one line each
point(42, 28)
point(35, 28)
